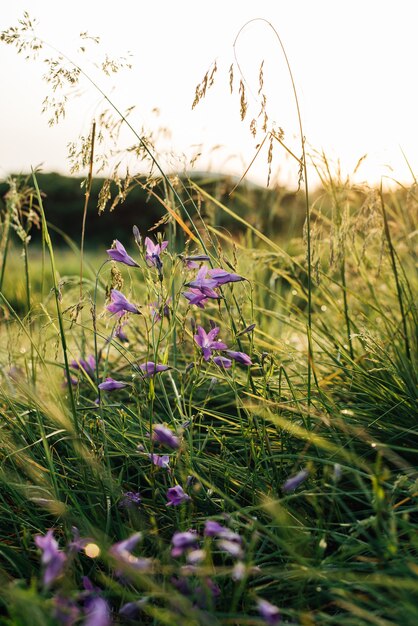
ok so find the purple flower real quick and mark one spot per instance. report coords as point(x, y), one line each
point(206, 341)
point(130, 500)
point(183, 541)
point(293, 482)
point(150, 368)
point(197, 297)
point(176, 496)
point(118, 253)
point(239, 357)
point(222, 276)
point(88, 365)
point(120, 303)
point(161, 460)
point(164, 435)
point(269, 612)
point(232, 547)
point(97, 612)
point(132, 610)
point(52, 558)
point(222, 361)
point(110, 384)
point(122, 552)
point(213, 529)
point(203, 284)
point(153, 251)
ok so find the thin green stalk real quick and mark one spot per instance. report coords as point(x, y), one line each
point(47, 239)
point(396, 276)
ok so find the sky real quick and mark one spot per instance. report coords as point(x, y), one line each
point(353, 63)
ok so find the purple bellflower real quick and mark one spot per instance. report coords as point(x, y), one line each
point(88, 365)
point(52, 558)
point(197, 297)
point(164, 435)
point(222, 361)
point(203, 284)
point(110, 384)
point(222, 276)
point(118, 253)
point(97, 612)
point(239, 357)
point(160, 460)
point(176, 496)
point(293, 482)
point(191, 262)
point(150, 368)
point(183, 541)
point(120, 303)
point(206, 341)
point(269, 612)
point(153, 251)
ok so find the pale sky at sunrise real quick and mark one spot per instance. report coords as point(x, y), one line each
point(354, 64)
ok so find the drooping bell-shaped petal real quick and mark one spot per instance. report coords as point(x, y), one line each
point(222, 276)
point(239, 357)
point(293, 482)
point(183, 541)
point(120, 303)
point(269, 613)
point(176, 496)
point(150, 368)
point(52, 558)
point(97, 612)
point(164, 435)
point(110, 384)
point(118, 253)
point(153, 251)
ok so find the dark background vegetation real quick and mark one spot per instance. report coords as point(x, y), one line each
point(273, 211)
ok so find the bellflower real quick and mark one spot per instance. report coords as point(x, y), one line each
point(120, 303)
point(164, 435)
point(239, 357)
point(197, 297)
point(97, 612)
point(110, 384)
point(222, 276)
point(88, 365)
point(176, 496)
point(206, 341)
point(183, 541)
point(118, 253)
point(160, 460)
point(66, 611)
point(269, 612)
point(52, 558)
point(293, 482)
point(205, 285)
point(153, 251)
point(150, 368)
point(222, 361)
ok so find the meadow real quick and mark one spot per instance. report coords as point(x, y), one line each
point(204, 425)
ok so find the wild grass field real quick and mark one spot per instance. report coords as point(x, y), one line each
point(208, 427)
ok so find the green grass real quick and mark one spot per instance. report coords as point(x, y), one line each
point(341, 548)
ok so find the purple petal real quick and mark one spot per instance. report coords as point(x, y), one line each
point(164, 435)
point(110, 385)
point(222, 361)
point(150, 368)
point(269, 612)
point(97, 613)
point(120, 303)
point(161, 460)
point(119, 254)
point(240, 357)
point(176, 496)
point(294, 481)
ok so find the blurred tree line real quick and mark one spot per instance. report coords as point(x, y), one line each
point(114, 207)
